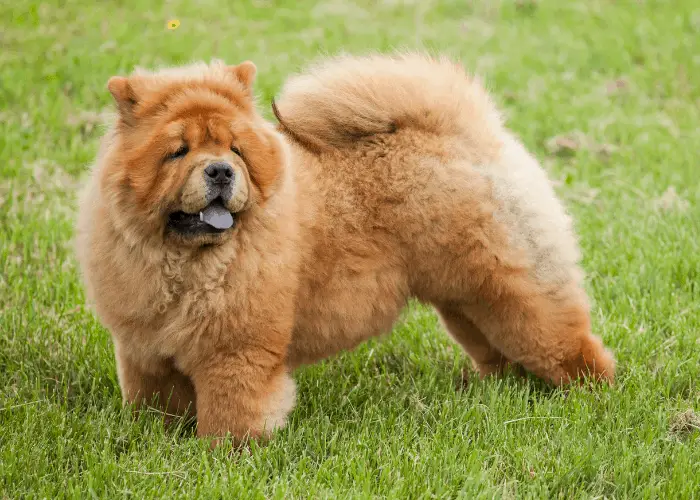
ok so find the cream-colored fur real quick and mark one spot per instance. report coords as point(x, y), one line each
point(528, 207)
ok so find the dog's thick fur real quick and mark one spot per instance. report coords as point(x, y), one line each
point(387, 178)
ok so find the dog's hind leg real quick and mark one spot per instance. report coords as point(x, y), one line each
point(486, 358)
point(547, 332)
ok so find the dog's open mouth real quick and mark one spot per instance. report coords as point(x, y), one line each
point(213, 219)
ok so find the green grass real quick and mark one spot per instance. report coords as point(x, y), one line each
point(606, 93)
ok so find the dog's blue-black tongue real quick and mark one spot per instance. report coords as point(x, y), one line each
point(216, 215)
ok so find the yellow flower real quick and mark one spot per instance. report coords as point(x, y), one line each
point(173, 24)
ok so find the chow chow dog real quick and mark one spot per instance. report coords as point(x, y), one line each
point(222, 251)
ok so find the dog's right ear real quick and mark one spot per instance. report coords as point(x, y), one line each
point(124, 96)
point(245, 73)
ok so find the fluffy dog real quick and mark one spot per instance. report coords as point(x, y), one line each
point(222, 252)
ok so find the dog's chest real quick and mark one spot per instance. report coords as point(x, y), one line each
point(191, 302)
point(194, 315)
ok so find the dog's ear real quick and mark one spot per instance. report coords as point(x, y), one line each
point(124, 95)
point(245, 73)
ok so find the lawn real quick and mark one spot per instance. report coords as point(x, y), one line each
point(606, 93)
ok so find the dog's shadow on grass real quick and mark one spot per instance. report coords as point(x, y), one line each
point(354, 383)
point(413, 383)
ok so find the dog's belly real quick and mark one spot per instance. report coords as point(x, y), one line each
point(344, 309)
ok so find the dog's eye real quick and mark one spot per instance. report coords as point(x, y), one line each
point(179, 153)
point(236, 150)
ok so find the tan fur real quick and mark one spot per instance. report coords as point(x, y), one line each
point(393, 178)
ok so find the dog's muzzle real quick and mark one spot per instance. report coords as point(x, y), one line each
point(220, 181)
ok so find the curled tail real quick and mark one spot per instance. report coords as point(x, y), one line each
point(348, 98)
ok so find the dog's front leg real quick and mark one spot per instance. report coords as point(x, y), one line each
point(244, 393)
point(154, 382)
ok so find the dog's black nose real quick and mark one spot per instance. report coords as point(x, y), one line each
point(219, 173)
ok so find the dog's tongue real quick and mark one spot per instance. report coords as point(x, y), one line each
point(216, 215)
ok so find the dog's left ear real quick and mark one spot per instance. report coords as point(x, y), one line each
point(245, 73)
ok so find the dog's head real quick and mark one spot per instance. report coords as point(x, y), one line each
point(189, 154)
